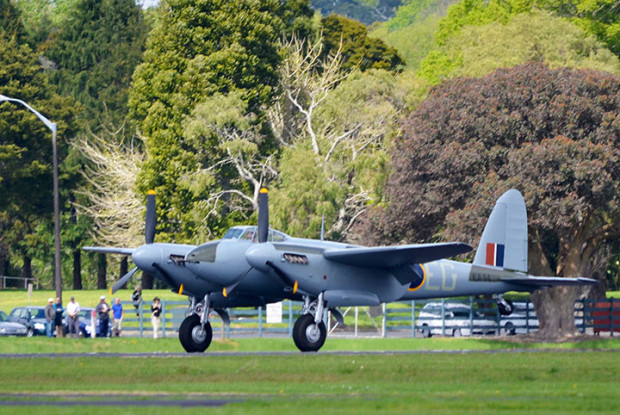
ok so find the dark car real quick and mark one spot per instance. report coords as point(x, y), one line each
point(10, 328)
point(86, 323)
point(31, 317)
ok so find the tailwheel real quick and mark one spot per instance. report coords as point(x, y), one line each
point(308, 335)
point(193, 337)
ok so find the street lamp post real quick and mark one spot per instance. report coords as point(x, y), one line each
point(52, 126)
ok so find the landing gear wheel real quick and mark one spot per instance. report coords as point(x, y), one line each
point(309, 336)
point(509, 329)
point(426, 331)
point(193, 338)
point(505, 308)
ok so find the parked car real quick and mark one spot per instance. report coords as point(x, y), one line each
point(458, 319)
point(10, 328)
point(31, 317)
point(85, 323)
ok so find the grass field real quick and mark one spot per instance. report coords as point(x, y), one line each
point(537, 381)
point(582, 378)
point(514, 383)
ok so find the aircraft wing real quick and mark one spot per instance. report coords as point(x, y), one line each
point(548, 281)
point(109, 250)
point(393, 256)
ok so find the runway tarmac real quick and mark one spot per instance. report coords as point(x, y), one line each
point(291, 353)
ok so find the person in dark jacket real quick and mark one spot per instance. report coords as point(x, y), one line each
point(50, 316)
point(58, 317)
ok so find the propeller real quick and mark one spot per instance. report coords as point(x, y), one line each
point(263, 215)
point(149, 236)
point(262, 231)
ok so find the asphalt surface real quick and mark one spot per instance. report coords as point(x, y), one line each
point(290, 353)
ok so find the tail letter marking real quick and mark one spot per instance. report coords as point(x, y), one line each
point(495, 255)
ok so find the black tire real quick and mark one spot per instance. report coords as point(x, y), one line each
point(510, 329)
point(426, 331)
point(505, 309)
point(306, 336)
point(190, 336)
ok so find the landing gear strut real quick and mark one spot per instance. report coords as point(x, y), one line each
point(309, 332)
point(505, 307)
point(195, 332)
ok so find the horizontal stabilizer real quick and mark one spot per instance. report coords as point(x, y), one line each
point(393, 256)
point(538, 282)
point(109, 250)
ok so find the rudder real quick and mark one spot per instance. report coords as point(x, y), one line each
point(504, 241)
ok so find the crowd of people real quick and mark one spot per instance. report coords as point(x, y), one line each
point(54, 315)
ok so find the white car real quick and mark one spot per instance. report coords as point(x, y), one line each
point(456, 320)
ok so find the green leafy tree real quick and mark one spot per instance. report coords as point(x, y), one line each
point(598, 17)
point(196, 50)
point(552, 133)
point(96, 51)
point(537, 36)
point(365, 11)
point(412, 30)
point(334, 151)
point(26, 145)
point(357, 49)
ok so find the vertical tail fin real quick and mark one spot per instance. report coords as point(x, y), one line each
point(504, 240)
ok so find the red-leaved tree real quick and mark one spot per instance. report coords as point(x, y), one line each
point(552, 134)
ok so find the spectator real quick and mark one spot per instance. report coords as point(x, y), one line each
point(58, 318)
point(50, 317)
point(103, 310)
point(155, 316)
point(73, 322)
point(117, 314)
point(136, 298)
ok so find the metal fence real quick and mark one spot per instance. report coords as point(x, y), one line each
point(17, 282)
point(411, 319)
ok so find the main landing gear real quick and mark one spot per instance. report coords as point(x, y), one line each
point(195, 332)
point(504, 306)
point(309, 332)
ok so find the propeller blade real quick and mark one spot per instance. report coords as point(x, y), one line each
point(263, 215)
point(122, 281)
point(151, 217)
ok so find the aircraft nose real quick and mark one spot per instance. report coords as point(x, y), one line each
point(146, 255)
point(258, 255)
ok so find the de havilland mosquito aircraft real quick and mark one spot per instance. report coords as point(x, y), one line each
point(254, 265)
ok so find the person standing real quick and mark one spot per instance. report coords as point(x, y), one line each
point(103, 310)
point(50, 317)
point(117, 315)
point(136, 299)
point(156, 316)
point(58, 318)
point(73, 309)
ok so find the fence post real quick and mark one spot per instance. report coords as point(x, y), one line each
point(260, 321)
point(384, 322)
point(141, 312)
point(611, 318)
point(471, 315)
point(443, 317)
point(163, 317)
point(290, 318)
point(412, 319)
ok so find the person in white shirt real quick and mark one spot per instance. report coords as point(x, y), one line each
point(73, 322)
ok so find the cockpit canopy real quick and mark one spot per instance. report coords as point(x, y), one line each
point(250, 233)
